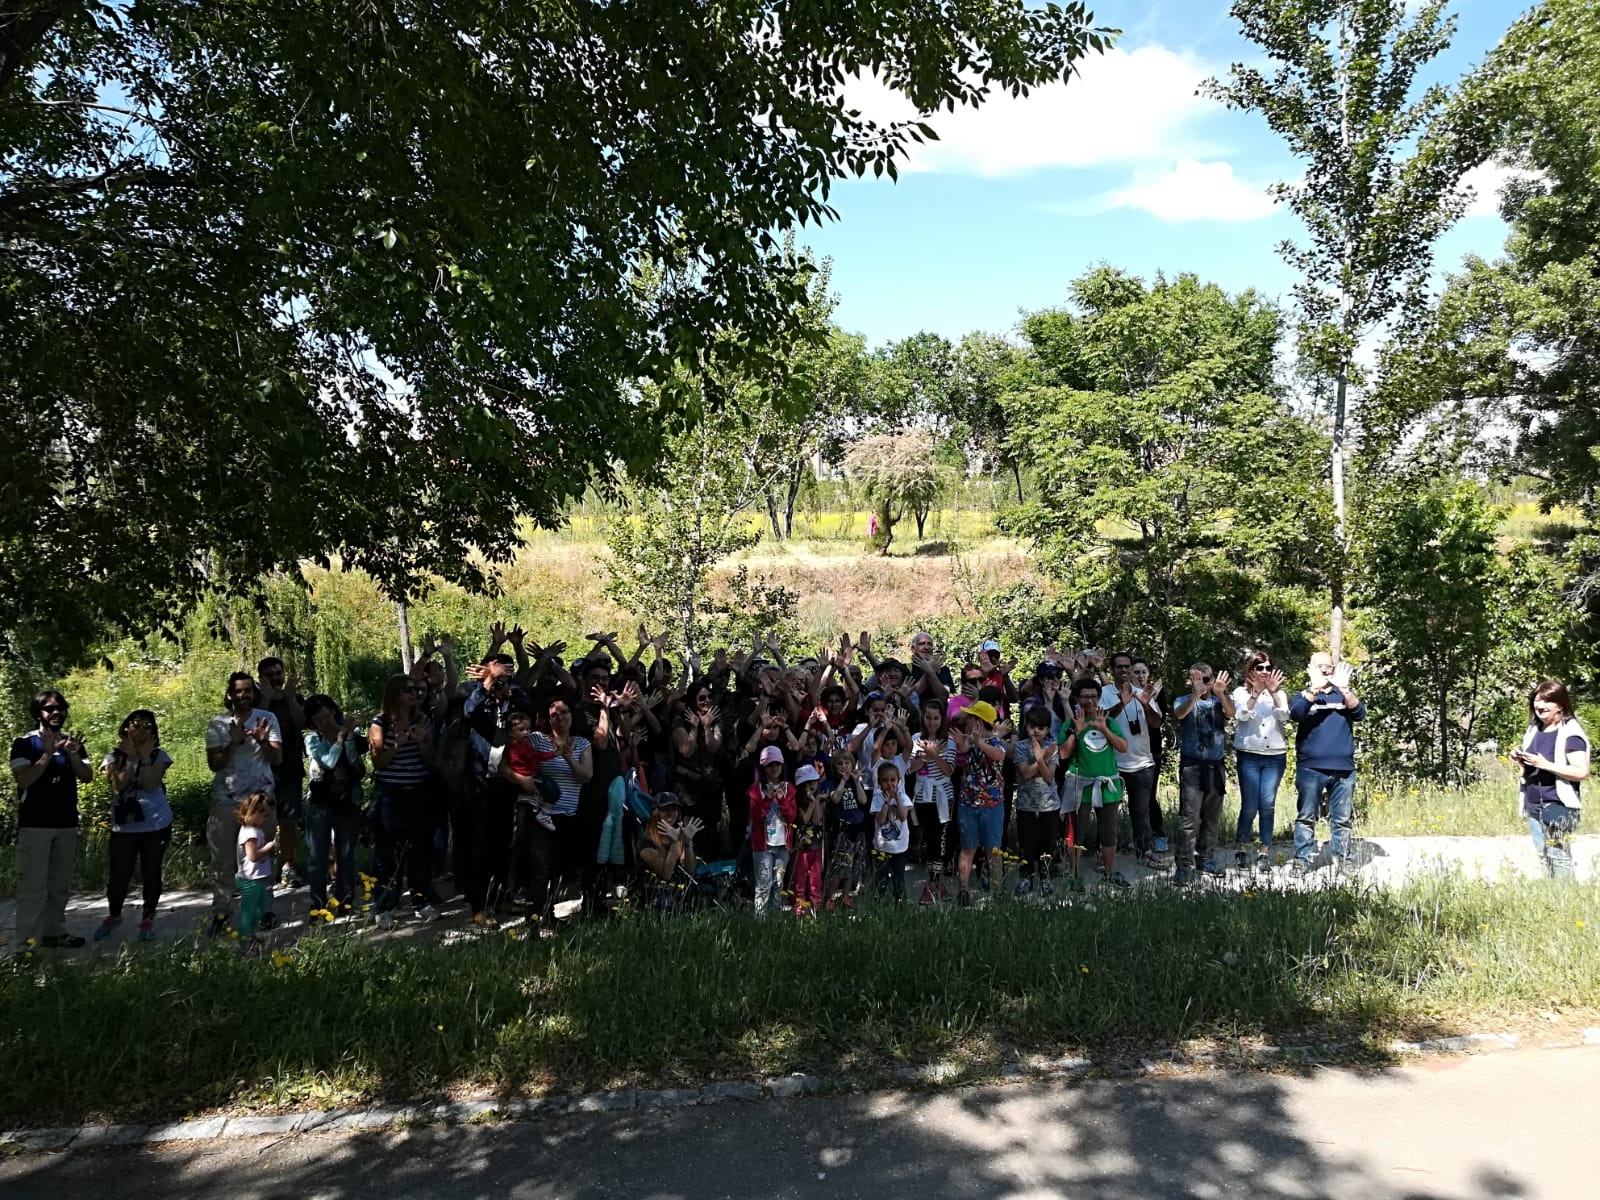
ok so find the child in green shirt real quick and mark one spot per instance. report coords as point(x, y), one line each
point(1090, 743)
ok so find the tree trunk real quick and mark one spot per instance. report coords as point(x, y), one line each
point(772, 513)
point(886, 527)
point(403, 614)
point(1016, 474)
point(1336, 582)
point(922, 521)
point(795, 479)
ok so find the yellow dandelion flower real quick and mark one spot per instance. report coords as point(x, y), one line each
point(1085, 970)
point(440, 1028)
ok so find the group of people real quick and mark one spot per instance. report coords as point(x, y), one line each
point(804, 784)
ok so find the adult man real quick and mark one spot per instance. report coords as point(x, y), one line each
point(1324, 714)
point(483, 818)
point(243, 744)
point(1125, 702)
point(48, 764)
point(279, 697)
point(929, 674)
point(1203, 720)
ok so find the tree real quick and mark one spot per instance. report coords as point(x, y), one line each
point(1453, 626)
point(1178, 499)
point(900, 475)
point(1383, 163)
point(987, 368)
point(363, 278)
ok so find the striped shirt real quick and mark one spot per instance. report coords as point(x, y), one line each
point(559, 771)
point(407, 768)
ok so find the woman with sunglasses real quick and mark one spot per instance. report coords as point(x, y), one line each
point(400, 739)
point(141, 820)
point(1261, 749)
point(48, 764)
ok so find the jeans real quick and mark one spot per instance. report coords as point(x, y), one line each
point(1199, 810)
point(1551, 847)
point(1340, 788)
point(770, 865)
point(892, 874)
point(145, 849)
point(1259, 777)
point(330, 828)
point(1143, 813)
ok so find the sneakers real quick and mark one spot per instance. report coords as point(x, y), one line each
point(1301, 866)
point(1045, 889)
point(1159, 845)
point(1241, 860)
point(103, 931)
point(1183, 876)
point(428, 912)
point(1150, 860)
point(1263, 862)
point(147, 930)
point(269, 921)
point(1114, 879)
point(293, 879)
point(1024, 886)
point(385, 920)
point(963, 899)
point(218, 926)
point(544, 820)
point(1210, 867)
point(62, 941)
point(927, 895)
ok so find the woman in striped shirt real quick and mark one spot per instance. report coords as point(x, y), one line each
point(401, 742)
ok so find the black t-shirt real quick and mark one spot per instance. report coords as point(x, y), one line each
point(291, 769)
point(50, 802)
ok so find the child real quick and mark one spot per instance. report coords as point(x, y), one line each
point(982, 814)
point(849, 805)
point(519, 765)
point(808, 842)
point(254, 873)
point(1090, 744)
point(933, 766)
point(772, 814)
point(891, 836)
point(1038, 802)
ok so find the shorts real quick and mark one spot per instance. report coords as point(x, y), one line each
point(981, 828)
point(289, 800)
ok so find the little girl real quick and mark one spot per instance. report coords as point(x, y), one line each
point(807, 873)
point(891, 836)
point(849, 801)
point(254, 878)
point(772, 814)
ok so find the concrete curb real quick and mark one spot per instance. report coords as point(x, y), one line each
point(787, 1087)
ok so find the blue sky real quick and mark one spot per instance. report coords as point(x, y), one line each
point(1124, 165)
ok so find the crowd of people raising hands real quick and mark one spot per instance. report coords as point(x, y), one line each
point(798, 785)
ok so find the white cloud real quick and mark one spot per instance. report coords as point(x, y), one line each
point(1485, 183)
point(1126, 106)
point(1192, 191)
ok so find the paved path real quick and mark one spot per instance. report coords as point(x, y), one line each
point(1383, 861)
point(1461, 1128)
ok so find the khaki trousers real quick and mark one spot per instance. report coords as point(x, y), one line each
point(44, 879)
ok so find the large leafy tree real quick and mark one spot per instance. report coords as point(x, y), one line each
point(1383, 158)
point(282, 281)
point(1178, 499)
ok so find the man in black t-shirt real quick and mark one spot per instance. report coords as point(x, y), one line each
point(279, 697)
point(48, 765)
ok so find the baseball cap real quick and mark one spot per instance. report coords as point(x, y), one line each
point(984, 711)
point(1047, 668)
point(666, 800)
point(771, 755)
point(991, 644)
point(806, 774)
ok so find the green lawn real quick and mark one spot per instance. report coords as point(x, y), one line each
point(644, 1000)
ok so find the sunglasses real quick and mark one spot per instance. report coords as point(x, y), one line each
point(1205, 679)
point(1263, 666)
point(971, 680)
point(53, 708)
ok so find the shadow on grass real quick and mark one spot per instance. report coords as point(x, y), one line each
point(640, 1001)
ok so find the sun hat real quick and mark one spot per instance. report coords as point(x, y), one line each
point(984, 711)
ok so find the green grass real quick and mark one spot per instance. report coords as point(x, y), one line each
point(642, 1000)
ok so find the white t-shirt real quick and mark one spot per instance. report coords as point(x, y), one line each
point(871, 774)
point(1259, 728)
point(157, 812)
point(246, 770)
point(262, 867)
point(1138, 755)
point(894, 835)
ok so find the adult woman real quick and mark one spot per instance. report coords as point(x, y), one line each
point(1260, 716)
point(401, 741)
point(556, 853)
point(1554, 757)
point(333, 812)
point(141, 819)
point(696, 750)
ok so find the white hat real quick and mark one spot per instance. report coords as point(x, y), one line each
point(806, 774)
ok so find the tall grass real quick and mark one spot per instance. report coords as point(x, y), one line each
point(663, 1000)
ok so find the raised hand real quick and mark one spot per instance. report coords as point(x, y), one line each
point(1096, 657)
point(447, 645)
point(497, 636)
point(864, 642)
point(691, 828)
point(1219, 686)
point(1341, 676)
point(477, 672)
point(1274, 681)
point(261, 730)
point(1155, 690)
point(516, 636)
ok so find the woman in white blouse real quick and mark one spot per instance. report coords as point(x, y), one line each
point(1261, 715)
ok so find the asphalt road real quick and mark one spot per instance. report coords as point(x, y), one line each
point(1516, 1124)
